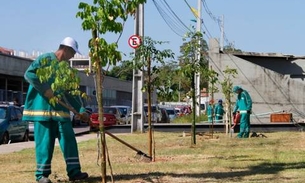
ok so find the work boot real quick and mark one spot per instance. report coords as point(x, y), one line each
point(79, 176)
point(44, 180)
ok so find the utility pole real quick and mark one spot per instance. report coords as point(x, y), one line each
point(137, 117)
point(222, 35)
point(197, 75)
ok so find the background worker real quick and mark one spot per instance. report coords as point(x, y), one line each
point(51, 122)
point(244, 107)
point(210, 112)
point(219, 111)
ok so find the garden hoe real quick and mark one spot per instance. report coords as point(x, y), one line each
point(139, 154)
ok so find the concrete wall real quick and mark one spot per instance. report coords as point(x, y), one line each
point(12, 65)
point(274, 81)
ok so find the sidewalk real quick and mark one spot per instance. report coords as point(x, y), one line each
point(15, 147)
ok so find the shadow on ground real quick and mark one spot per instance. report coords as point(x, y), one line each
point(263, 169)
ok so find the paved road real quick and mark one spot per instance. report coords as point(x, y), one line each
point(81, 135)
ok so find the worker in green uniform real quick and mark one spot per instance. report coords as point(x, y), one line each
point(51, 122)
point(210, 112)
point(244, 107)
point(219, 111)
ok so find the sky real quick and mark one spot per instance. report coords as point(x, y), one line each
point(273, 26)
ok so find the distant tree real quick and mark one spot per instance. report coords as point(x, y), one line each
point(230, 49)
point(123, 71)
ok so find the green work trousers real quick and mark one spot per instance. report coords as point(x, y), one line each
point(45, 133)
point(244, 126)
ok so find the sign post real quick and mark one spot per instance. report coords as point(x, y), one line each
point(134, 41)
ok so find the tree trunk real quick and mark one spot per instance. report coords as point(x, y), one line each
point(194, 110)
point(99, 93)
point(149, 107)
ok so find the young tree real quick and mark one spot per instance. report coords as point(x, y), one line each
point(213, 80)
point(190, 65)
point(186, 52)
point(227, 86)
point(102, 17)
point(147, 58)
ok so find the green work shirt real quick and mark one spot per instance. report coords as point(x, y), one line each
point(37, 107)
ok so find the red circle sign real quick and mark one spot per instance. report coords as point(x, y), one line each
point(134, 41)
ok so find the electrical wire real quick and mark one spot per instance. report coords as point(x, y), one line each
point(175, 15)
point(172, 24)
point(205, 6)
point(206, 29)
point(214, 18)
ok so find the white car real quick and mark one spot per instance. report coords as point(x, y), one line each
point(171, 113)
point(125, 112)
point(155, 113)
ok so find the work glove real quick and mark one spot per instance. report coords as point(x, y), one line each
point(49, 93)
point(83, 117)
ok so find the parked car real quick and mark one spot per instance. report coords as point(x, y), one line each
point(31, 130)
point(179, 111)
point(109, 120)
point(12, 128)
point(172, 113)
point(126, 111)
point(120, 117)
point(155, 113)
point(164, 118)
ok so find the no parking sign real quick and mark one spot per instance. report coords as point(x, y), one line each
point(134, 41)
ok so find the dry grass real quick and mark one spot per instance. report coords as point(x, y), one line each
point(278, 158)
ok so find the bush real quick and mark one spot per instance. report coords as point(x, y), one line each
point(189, 118)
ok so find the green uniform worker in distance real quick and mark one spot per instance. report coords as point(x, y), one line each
point(219, 111)
point(210, 113)
point(51, 122)
point(244, 107)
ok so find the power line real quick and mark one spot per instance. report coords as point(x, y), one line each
point(189, 6)
point(214, 18)
point(172, 23)
point(175, 15)
point(209, 12)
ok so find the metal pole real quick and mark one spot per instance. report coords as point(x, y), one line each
point(197, 75)
point(222, 33)
point(137, 117)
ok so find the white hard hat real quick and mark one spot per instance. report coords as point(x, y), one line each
point(68, 41)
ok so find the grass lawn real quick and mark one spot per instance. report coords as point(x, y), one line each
point(278, 158)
